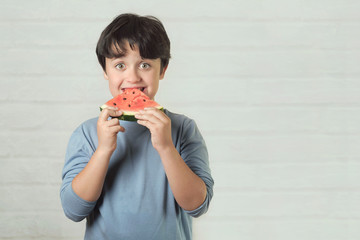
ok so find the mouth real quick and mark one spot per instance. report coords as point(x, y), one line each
point(140, 88)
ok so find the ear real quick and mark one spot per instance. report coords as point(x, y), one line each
point(105, 75)
point(162, 74)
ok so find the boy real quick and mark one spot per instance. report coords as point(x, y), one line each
point(136, 180)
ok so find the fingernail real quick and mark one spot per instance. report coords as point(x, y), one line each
point(142, 111)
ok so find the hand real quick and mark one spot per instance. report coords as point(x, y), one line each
point(159, 125)
point(107, 129)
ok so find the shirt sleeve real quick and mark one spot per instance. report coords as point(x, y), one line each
point(194, 152)
point(78, 154)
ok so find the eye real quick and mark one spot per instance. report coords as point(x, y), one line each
point(120, 66)
point(144, 65)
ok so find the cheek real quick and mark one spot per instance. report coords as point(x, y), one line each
point(154, 89)
point(113, 79)
point(114, 86)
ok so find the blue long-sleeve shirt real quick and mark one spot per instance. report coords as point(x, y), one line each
point(136, 201)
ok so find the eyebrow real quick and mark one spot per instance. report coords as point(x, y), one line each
point(118, 54)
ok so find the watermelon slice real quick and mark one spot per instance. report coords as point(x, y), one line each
point(130, 102)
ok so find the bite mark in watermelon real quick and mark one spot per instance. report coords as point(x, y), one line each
point(130, 102)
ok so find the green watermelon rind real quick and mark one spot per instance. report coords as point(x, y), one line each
point(129, 116)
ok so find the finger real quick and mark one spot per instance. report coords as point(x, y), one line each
point(113, 122)
point(117, 128)
point(105, 113)
point(158, 113)
point(109, 112)
point(145, 123)
point(116, 114)
point(147, 116)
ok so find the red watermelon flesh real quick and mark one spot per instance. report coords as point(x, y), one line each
point(130, 102)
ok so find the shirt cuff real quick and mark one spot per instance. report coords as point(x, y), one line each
point(76, 207)
point(200, 210)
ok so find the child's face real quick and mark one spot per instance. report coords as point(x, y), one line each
point(132, 71)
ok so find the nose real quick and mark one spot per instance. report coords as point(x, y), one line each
point(133, 76)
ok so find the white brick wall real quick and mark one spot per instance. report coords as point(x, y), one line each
point(274, 87)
